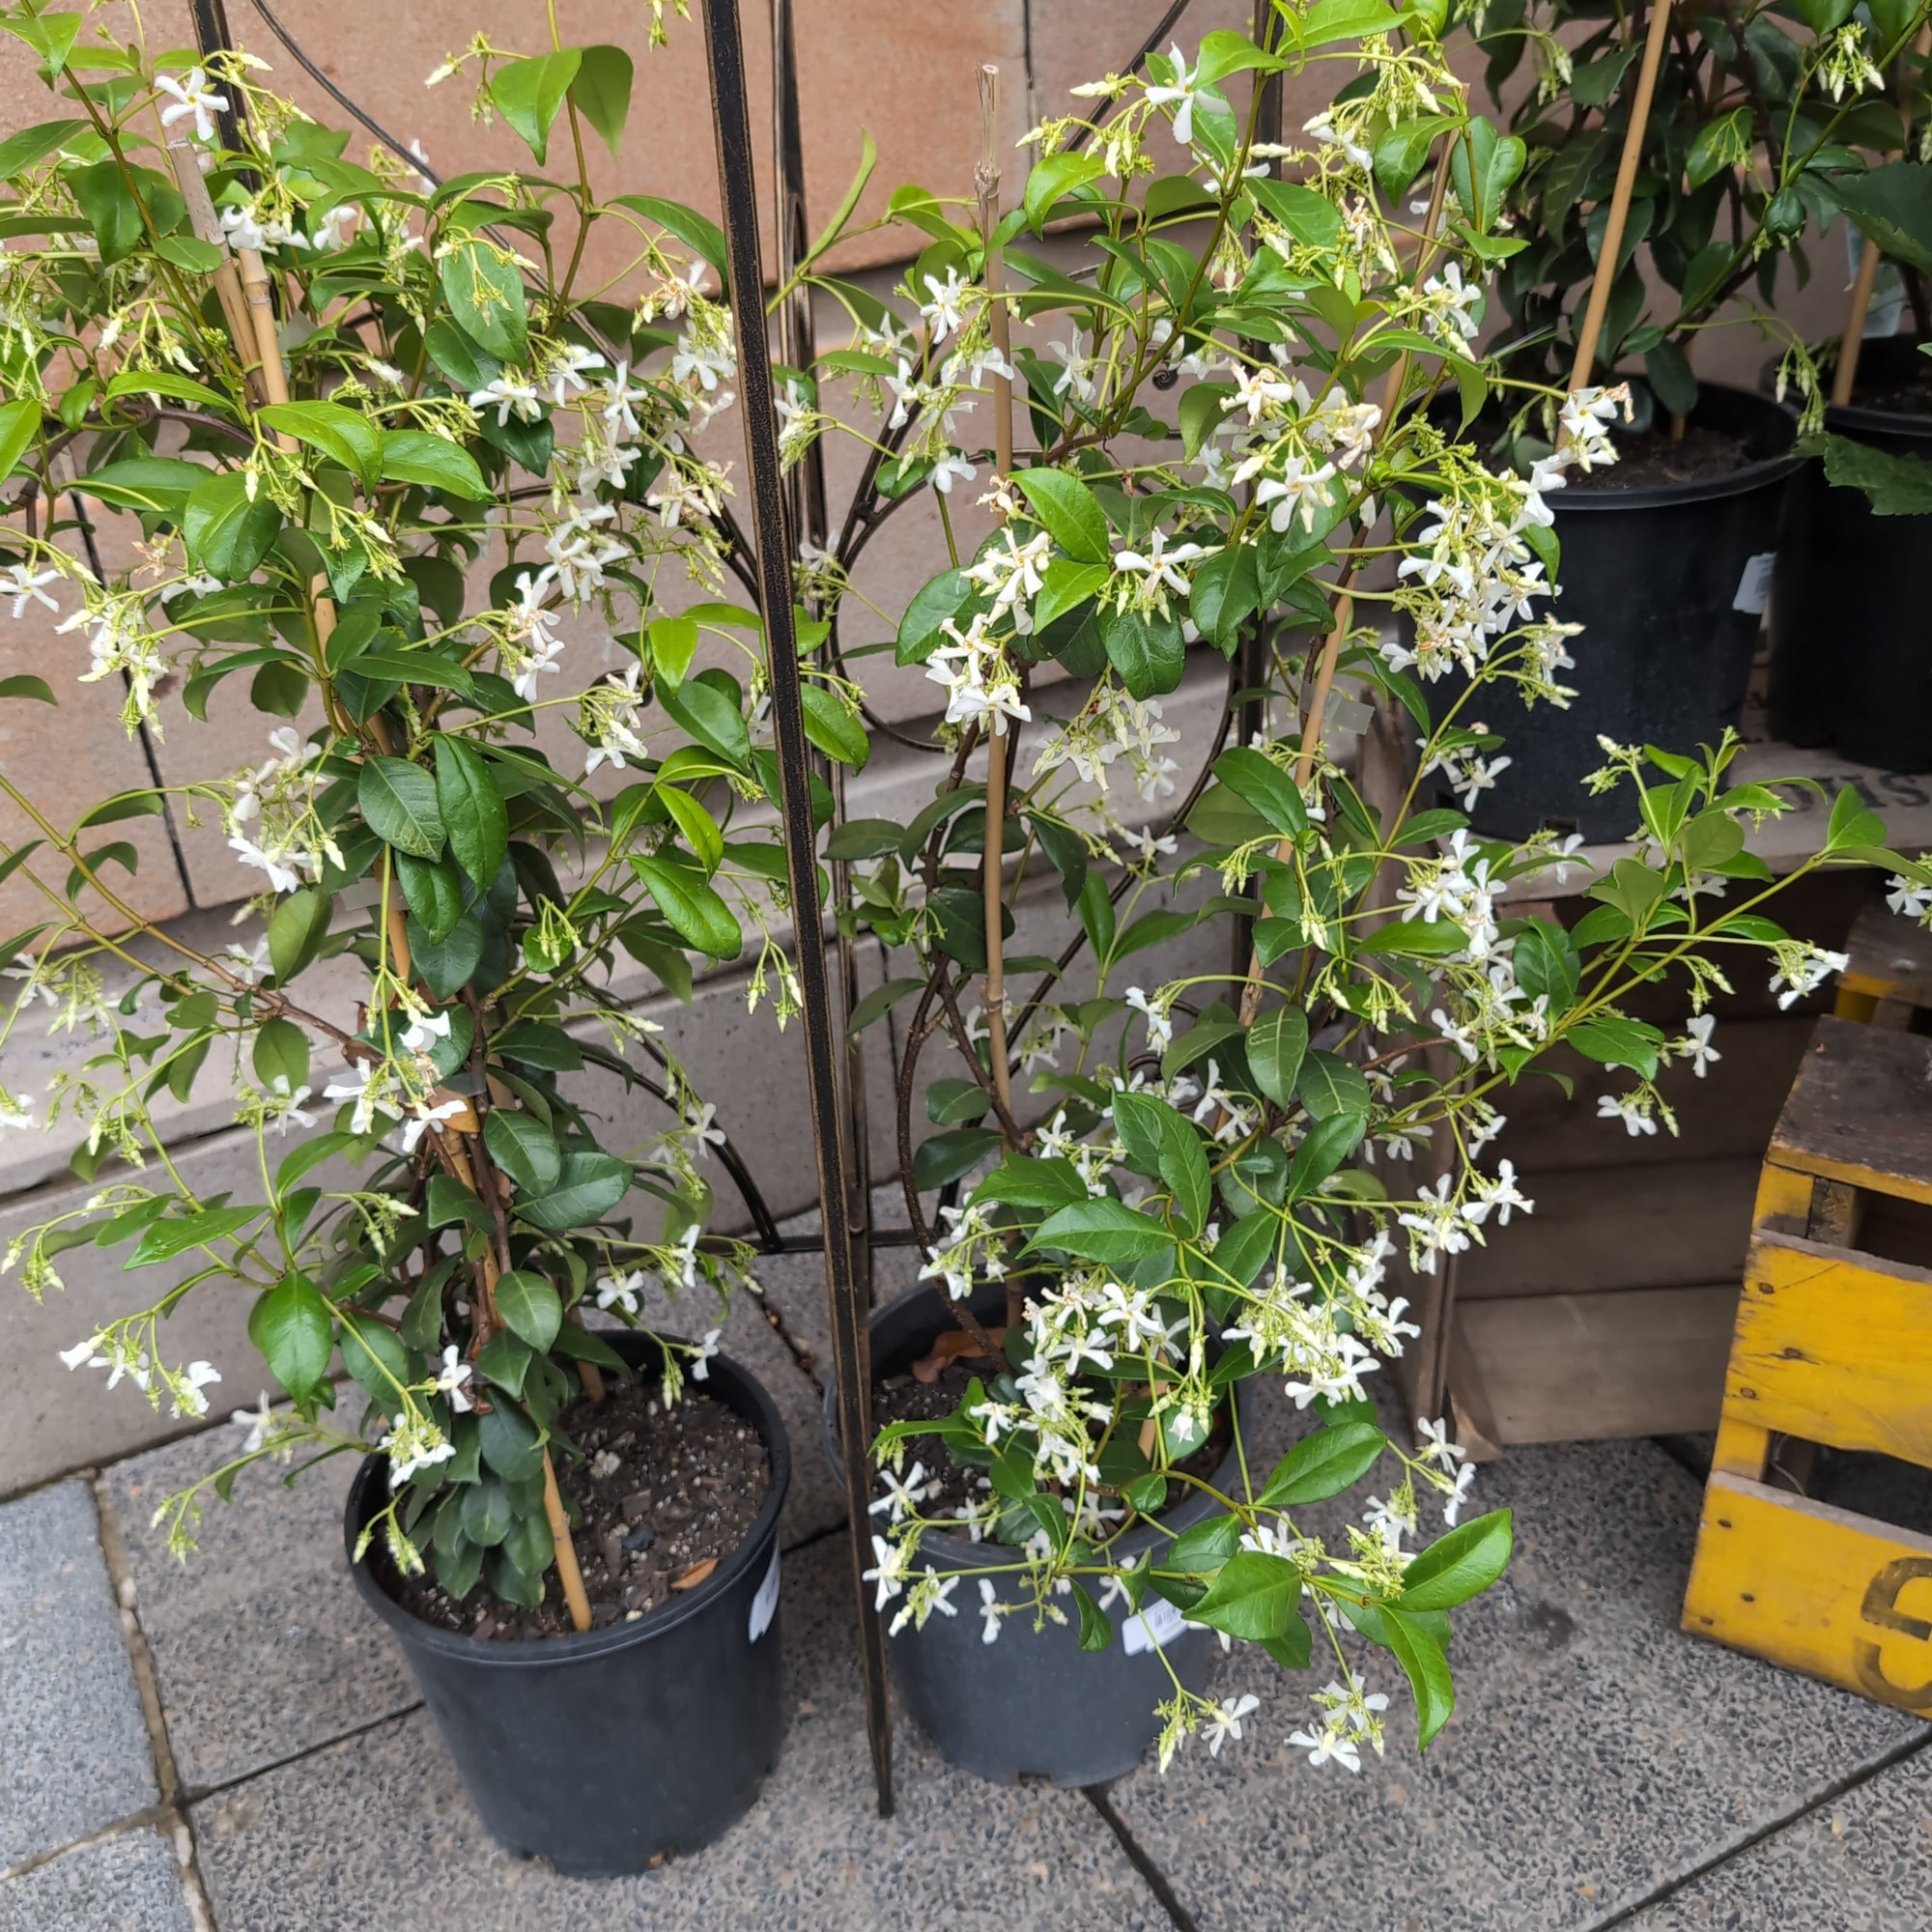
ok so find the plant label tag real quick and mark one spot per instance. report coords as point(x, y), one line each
point(1156, 1625)
point(1754, 585)
point(764, 1606)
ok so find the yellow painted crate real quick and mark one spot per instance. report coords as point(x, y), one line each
point(1831, 1345)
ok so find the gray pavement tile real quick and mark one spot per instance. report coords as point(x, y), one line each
point(375, 1833)
point(261, 1646)
point(1595, 1751)
point(75, 1755)
point(128, 1882)
point(1861, 1863)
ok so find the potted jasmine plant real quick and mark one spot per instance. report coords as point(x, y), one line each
point(379, 520)
point(1749, 117)
point(1163, 1207)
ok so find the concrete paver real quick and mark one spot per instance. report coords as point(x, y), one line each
point(127, 1882)
point(76, 1754)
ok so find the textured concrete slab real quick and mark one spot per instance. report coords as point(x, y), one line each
point(1860, 1862)
point(128, 1882)
point(1595, 1751)
point(75, 1757)
point(375, 1833)
point(261, 1647)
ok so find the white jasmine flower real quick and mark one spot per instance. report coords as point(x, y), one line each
point(944, 312)
point(1180, 93)
point(1632, 1110)
point(1696, 1047)
point(192, 96)
point(24, 585)
point(1224, 1722)
point(454, 1373)
point(702, 1352)
point(990, 1609)
point(256, 1421)
point(889, 1571)
point(508, 396)
point(1910, 900)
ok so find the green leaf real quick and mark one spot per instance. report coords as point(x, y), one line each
point(951, 1155)
point(1276, 1043)
point(160, 483)
point(1312, 218)
point(1103, 1231)
point(294, 1326)
point(1323, 1465)
point(1148, 650)
point(1891, 206)
point(414, 456)
point(297, 928)
point(1898, 483)
point(932, 604)
point(602, 91)
point(227, 535)
point(1331, 1142)
point(433, 890)
point(18, 152)
point(451, 1201)
point(1161, 1143)
point(698, 827)
point(510, 1444)
point(27, 685)
point(1327, 1085)
point(833, 729)
point(342, 435)
point(880, 1000)
point(529, 1306)
point(486, 296)
point(110, 208)
point(590, 1184)
point(1265, 787)
point(1668, 369)
point(19, 425)
point(713, 719)
point(1459, 1565)
point(1069, 512)
point(165, 1240)
point(1095, 1631)
point(281, 1052)
point(485, 1514)
point(1065, 587)
point(525, 1148)
point(1421, 1657)
point(1054, 178)
point(1614, 1042)
point(695, 231)
point(1254, 1597)
point(674, 644)
point(1027, 1183)
point(696, 914)
point(471, 810)
point(530, 96)
point(399, 802)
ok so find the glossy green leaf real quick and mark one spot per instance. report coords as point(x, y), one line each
point(294, 1326)
point(531, 1307)
point(399, 802)
point(471, 810)
point(1459, 1565)
point(414, 456)
point(281, 1053)
point(344, 436)
point(530, 96)
point(588, 1185)
point(698, 914)
point(525, 1148)
point(602, 91)
point(1323, 1465)
point(1254, 1597)
point(486, 296)
point(227, 535)
point(1069, 511)
point(1276, 1043)
point(297, 928)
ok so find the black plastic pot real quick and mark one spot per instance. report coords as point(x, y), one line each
point(601, 1752)
point(1669, 581)
point(1031, 1703)
point(1851, 608)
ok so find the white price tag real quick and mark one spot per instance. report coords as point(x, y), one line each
point(764, 1606)
point(1156, 1625)
point(1754, 585)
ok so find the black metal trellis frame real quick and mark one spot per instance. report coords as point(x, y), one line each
point(784, 510)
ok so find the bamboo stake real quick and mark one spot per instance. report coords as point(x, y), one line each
point(185, 158)
point(568, 1569)
point(986, 180)
point(1620, 198)
point(1344, 610)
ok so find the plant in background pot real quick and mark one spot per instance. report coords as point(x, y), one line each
point(1667, 559)
point(1202, 1210)
point(387, 542)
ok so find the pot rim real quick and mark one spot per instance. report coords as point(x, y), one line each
point(1901, 423)
point(1757, 475)
point(538, 1652)
point(960, 1551)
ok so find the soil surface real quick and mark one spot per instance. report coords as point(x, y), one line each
point(903, 1398)
point(661, 1492)
point(1655, 457)
point(1912, 397)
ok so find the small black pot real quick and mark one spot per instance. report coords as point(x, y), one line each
point(1031, 1703)
point(1851, 608)
point(1669, 581)
point(603, 1752)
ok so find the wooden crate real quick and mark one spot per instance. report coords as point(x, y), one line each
point(1832, 1344)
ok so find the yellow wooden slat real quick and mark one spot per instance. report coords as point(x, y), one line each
point(1835, 1347)
point(1742, 1449)
point(1815, 1589)
point(1783, 1194)
point(1857, 1111)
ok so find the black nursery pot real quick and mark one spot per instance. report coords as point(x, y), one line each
point(1033, 1703)
point(1669, 581)
point(603, 1752)
point(1851, 606)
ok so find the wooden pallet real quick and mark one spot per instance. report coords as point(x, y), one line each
point(1833, 1344)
